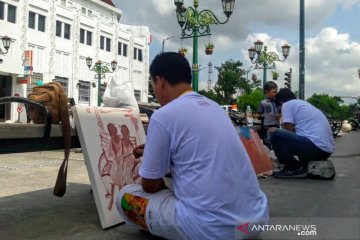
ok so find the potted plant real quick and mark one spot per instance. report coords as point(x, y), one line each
point(209, 48)
point(275, 75)
point(183, 51)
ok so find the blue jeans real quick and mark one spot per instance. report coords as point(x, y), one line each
point(287, 144)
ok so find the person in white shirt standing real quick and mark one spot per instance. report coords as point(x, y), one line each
point(306, 134)
point(215, 189)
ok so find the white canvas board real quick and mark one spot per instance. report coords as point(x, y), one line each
point(107, 137)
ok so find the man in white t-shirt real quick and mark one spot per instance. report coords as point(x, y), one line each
point(306, 134)
point(215, 191)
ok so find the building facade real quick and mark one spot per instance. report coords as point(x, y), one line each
point(51, 40)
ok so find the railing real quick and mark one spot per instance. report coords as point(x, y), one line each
point(28, 137)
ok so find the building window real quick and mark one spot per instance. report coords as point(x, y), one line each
point(82, 35)
point(119, 48)
point(41, 23)
point(63, 2)
point(83, 10)
point(140, 55)
point(108, 44)
point(64, 82)
point(2, 6)
point(125, 49)
point(11, 13)
point(87, 34)
point(137, 95)
point(88, 38)
point(58, 28)
point(67, 31)
point(31, 20)
point(89, 12)
point(102, 42)
point(84, 91)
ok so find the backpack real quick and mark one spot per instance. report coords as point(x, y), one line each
point(53, 97)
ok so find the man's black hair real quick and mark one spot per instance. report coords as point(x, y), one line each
point(173, 67)
point(283, 96)
point(270, 85)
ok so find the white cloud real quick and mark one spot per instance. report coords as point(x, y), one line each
point(349, 4)
point(331, 54)
point(162, 7)
point(331, 63)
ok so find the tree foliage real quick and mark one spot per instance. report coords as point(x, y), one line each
point(211, 95)
point(231, 80)
point(330, 105)
point(252, 98)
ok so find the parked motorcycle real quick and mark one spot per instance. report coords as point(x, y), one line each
point(355, 122)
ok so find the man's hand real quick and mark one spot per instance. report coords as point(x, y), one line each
point(289, 126)
point(153, 185)
point(139, 151)
point(272, 129)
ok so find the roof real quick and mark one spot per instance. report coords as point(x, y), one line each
point(108, 2)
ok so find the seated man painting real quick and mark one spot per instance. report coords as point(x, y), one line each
point(215, 189)
point(306, 136)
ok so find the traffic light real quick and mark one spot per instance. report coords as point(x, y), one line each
point(288, 79)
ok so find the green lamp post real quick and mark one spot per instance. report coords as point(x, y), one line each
point(266, 60)
point(100, 68)
point(195, 24)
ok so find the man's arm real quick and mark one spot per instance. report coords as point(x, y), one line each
point(153, 185)
point(156, 159)
point(289, 126)
point(148, 185)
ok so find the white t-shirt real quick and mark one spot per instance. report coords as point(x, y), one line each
point(213, 178)
point(309, 122)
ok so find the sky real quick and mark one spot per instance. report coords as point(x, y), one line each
point(332, 38)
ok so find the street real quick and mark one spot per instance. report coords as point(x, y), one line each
point(30, 211)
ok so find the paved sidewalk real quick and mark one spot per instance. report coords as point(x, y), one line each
point(28, 209)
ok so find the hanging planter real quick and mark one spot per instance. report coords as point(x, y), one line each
point(183, 51)
point(209, 48)
point(275, 75)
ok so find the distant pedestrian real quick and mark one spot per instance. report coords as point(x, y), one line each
point(268, 111)
point(306, 134)
point(234, 107)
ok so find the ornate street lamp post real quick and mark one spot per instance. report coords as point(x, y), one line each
point(100, 69)
point(195, 24)
point(6, 41)
point(265, 60)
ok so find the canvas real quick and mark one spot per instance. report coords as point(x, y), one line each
point(108, 137)
point(261, 162)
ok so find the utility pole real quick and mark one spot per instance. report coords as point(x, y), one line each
point(209, 87)
point(302, 51)
point(163, 43)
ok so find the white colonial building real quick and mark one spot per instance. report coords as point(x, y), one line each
point(54, 37)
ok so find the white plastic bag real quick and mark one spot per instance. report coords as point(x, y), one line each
point(120, 95)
